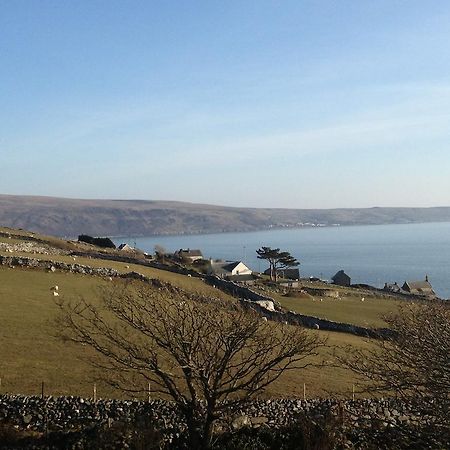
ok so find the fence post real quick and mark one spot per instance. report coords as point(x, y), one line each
point(304, 391)
point(149, 392)
point(95, 393)
point(353, 392)
point(42, 390)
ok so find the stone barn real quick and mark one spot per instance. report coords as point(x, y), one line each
point(341, 279)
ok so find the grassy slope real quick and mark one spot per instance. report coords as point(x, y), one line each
point(348, 309)
point(187, 283)
point(30, 354)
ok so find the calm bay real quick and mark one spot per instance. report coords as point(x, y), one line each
point(372, 254)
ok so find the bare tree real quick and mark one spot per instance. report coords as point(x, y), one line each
point(206, 355)
point(413, 363)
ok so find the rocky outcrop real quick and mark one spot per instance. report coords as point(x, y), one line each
point(31, 247)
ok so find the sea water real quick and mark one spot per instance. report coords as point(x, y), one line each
point(372, 254)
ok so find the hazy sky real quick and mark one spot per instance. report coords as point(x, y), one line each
point(317, 103)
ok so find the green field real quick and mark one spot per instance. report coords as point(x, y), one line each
point(348, 309)
point(30, 354)
point(188, 283)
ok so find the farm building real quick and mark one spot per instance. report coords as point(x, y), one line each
point(188, 255)
point(422, 288)
point(341, 279)
point(226, 269)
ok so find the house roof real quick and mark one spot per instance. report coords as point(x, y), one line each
point(419, 286)
point(231, 266)
point(225, 266)
point(394, 287)
point(339, 274)
point(288, 272)
point(125, 247)
point(189, 252)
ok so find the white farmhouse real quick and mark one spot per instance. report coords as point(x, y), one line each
point(226, 269)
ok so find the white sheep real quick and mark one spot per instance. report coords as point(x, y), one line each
point(264, 319)
point(55, 294)
point(316, 326)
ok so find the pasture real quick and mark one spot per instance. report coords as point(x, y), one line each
point(30, 353)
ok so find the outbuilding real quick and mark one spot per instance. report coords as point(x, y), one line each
point(341, 279)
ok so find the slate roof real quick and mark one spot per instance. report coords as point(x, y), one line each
point(125, 247)
point(189, 252)
point(340, 274)
point(291, 273)
point(418, 287)
point(225, 267)
point(231, 266)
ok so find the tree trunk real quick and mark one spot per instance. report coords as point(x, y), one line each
point(196, 438)
point(208, 432)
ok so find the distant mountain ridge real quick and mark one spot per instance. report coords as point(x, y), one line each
point(71, 217)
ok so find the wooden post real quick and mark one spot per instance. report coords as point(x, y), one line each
point(353, 392)
point(149, 392)
point(95, 393)
point(304, 391)
point(42, 390)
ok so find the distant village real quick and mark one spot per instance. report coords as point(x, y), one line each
point(239, 272)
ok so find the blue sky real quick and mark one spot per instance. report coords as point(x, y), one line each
point(302, 104)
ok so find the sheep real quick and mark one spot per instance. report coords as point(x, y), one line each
point(55, 294)
point(264, 319)
point(316, 326)
point(54, 288)
point(362, 299)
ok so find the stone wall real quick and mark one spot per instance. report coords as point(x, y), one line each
point(249, 299)
point(236, 290)
point(73, 413)
point(294, 318)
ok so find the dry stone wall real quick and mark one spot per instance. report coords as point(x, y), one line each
point(66, 414)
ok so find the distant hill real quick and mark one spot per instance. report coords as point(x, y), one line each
point(71, 217)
